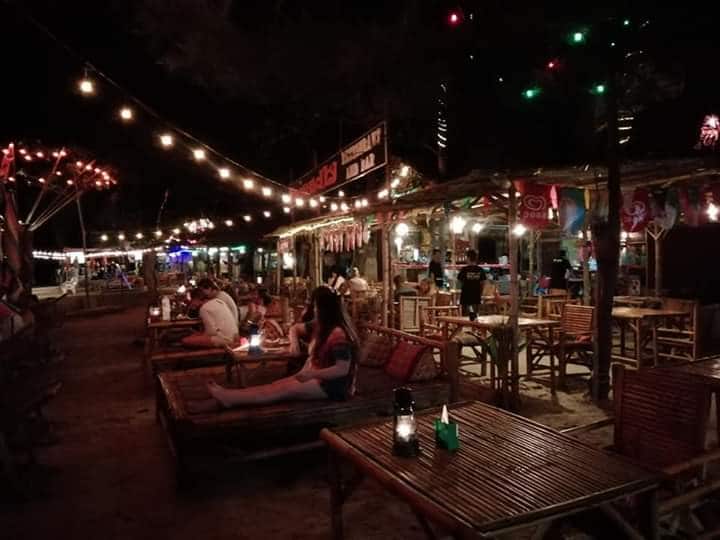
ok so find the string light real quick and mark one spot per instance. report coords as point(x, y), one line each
point(40, 155)
point(126, 113)
point(224, 172)
point(86, 86)
point(364, 203)
point(333, 207)
point(341, 193)
point(477, 227)
point(299, 202)
point(70, 182)
point(344, 207)
point(247, 218)
point(404, 171)
point(286, 198)
point(121, 237)
point(322, 198)
point(166, 140)
point(358, 204)
point(199, 154)
point(382, 193)
point(158, 234)
point(248, 184)
point(286, 209)
point(139, 236)
point(228, 222)
point(104, 237)
point(267, 213)
point(176, 231)
point(267, 192)
point(313, 203)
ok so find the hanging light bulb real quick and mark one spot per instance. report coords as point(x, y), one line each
point(199, 154)
point(224, 172)
point(404, 171)
point(58, 173)
point(333, 207)
point(126, 114)
point(477, 227)
point(344, 207)
point(341, 193)
point(247, 218)
point(158, 234)
point(228, 222)
point(248, 184)
point(519, 229)
point(139, 236)
point(267, 192)
point(286, 209)
point(40, 155)
point(176, 231)
point(86, 86)
point(313, 203)
point(267, 213)
point(41, 180)
point(383, 193)
point(402, 229)
point(358, 204)
point(286, 198)
point(70, 182)
point(322, 198)
point(104, 237)
point(166, 140)
point(457, 224)
point(121, 237)
point(364, 203)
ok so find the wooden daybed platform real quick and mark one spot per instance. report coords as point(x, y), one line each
point(199, 437)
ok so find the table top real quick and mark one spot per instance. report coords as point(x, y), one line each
point(643, 313)
point(509, 470)
point(707, 370)
point(494, 321)
point(173, 323)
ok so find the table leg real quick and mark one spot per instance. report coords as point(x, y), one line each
point(552, 360)
point(654, 342)
point(336, 494)
point(623, 347)
point(637, 330)
point(647, 515)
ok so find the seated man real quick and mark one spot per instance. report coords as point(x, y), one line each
point(210, 290)
point(219, 326)
point(402, 288)
point(356, 283)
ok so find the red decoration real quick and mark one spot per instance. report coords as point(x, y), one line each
point(534, 204)
point(636, 210)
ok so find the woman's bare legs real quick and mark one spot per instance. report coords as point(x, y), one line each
point(286, 389)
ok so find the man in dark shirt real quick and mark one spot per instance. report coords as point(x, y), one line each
point(435, 269)
point(558, 272)
point(472, 278)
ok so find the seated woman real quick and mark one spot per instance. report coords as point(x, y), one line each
point(329, 372)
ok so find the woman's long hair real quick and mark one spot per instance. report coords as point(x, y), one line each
point(331, 313)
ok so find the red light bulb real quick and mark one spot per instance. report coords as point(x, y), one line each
point(454, 18)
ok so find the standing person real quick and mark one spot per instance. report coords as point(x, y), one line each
point(219, 326)
point(211, 290)
point(435, 269)
point(559, 271)
point(329, 372)
point(357, 283)
point(472, 278)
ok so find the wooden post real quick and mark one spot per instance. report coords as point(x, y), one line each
point(84, 247)
point(657, 233)
point(514, 297)
point(278, 270)
point(295, 262)
point(534, 238)
point(386, 267)
point(587, 284)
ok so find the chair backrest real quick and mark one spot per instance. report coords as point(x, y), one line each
point(530, 306)
point(680, 304)
point(409, 319)
point(577, 320)
point(661, 415)
point(443, 299)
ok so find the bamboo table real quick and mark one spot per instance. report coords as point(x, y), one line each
point(493, 324)
point(157, 327)
point(639, 321)
point(509, 473)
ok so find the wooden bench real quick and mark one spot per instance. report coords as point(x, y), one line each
point(661, 420)
point(175, 359)
point(250, 433)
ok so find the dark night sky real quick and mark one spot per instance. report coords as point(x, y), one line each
point(270, 83)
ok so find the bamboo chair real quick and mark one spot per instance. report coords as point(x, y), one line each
point(410, 306)
point(678, 342)
point(661, 421)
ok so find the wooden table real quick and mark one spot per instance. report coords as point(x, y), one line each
point(636, 301)
point(509, 473)
point(643, 322)
point(493, 324)
point(157, 327)
point(707, 371)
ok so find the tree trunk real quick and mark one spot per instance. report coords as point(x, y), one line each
point(607, 247)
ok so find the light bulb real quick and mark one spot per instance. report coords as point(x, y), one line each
point(176, 231)
point(139, 236)
point(224, 172)
point(286, 209)
point(364, 203)
point(713, 212)
point(299, 202)
point(477, 227)
point(121, 237)
point(247, 218)
point(267, 213)
point(519, 229)
point(104, 237)
point(248, 183)
point(229, 222)
point(402, 229)
point(382, 193)
point(341, 193)
point(344, 207)
point(286, 198)
point(199, 154)
point(404, 171)
point(322, 198)
point(313, 203)
point(126, 113)
point(86, 86)
point(158, 234)
point(358, 204)
point(166, 140)
point(457, 224)
point(395, 183)
point(333, 207)
point(267, 192)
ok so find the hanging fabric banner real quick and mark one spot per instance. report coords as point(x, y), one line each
point(662, 214)
point(534, 204)
point(636, 210)
point(572, 210)
point(600, 207)
point(672, 208)
point(690, 203)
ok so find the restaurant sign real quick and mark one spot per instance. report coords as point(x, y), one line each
point(362, 156)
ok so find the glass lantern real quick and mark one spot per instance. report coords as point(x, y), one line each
point(254, 347)
point(405, 436)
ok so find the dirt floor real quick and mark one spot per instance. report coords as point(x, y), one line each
point(111, 475)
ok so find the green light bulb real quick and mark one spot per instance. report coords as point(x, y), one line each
point(626, 22)
point(599, 89)
point(531, 93)
point(578, 37)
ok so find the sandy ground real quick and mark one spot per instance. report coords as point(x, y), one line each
point(112, 478)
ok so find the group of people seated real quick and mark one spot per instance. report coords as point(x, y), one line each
point(330, 369)
point(354, 282)
point(223, 322)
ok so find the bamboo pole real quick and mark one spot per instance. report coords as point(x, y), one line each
point(657, 233)
point(514, 300)
point(385, 256)
point(84, 248)
point(278, 269)
point(587, 285)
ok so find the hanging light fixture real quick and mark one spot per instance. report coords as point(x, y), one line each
point(126, 114)
point(199, 154)
point(286, 209)
point(286, 198)
point(224, 172)
point(86, 86)
point(248, 184)
point(457, 224)
point(166, 140)
point(477, 227)
point(402, 229)
point(519, 230)
point(267, 192)
point(267, 213)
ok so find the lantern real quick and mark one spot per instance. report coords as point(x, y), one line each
point(405, 437)
point(254, 347)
